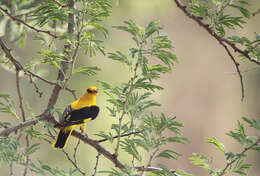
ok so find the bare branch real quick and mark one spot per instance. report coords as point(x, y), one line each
point(26, 24)
point(8, 54)
point(238, 70)
point(212, 33)
point(96, 165)
point(19, 95)
point(8, 131)
point(75, 151)
point(23, 117)
point(73, 162)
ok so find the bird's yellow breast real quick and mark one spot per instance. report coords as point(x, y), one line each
point(81, 103)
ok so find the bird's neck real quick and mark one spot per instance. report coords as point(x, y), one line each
point(90, 99)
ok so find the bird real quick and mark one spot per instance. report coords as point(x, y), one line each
point(78, 113)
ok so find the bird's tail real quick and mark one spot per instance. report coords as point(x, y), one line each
point(62, 138)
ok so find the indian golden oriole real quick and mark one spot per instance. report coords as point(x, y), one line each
point(78, 113)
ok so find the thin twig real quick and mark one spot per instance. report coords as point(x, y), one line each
point(26, 24)
point(27, 157)
point(11, 169)
point(122, 135)
point(75, 151)
point(40, 93)
point(124, 108)
point(150, 159)
point(73, 163)
point(237, 69)
point(228, 165)
point(28, 73)
point(23, 118)
point(96, 165)
point(73, 58)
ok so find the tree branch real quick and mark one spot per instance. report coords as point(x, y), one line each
point(212, 33)
point(228, 165)
point(26, 24)
point(73, 162)
point(124, 108)
point(238, 70)
point(122, 135)
point(8, 131)
point(96, 165)
point(18, 66)
point(23, 117)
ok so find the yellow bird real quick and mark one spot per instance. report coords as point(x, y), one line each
point(77, 113)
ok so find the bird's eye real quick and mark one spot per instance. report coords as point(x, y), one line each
point(89, 91)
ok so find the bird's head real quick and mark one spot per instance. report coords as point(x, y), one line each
point(91, 91)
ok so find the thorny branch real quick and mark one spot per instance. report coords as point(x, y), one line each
point(26, 24)
point(221, 40)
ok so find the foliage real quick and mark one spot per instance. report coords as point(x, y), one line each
point(235, 162)
point(221, 15)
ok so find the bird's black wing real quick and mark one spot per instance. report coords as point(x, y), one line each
point(78, 116)
point(65, 114)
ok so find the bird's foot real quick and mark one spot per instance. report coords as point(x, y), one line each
point(85, 135)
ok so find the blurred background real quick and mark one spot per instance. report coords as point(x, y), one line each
point(203, 90)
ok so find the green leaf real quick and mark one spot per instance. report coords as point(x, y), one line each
point(168, 154)
point(87, 70)
point(183, 173)
point(152, 28)
point(119, 56)
point(100, 28)
point(255, 123)
point(245, 12)
point(201, 160)
point(219, 145)
point(31, 149)
point(130, 147)
point(178, 139)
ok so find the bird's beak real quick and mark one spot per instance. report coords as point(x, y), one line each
point(95, 91)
